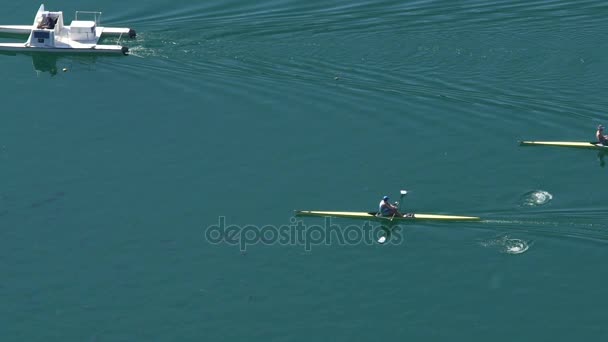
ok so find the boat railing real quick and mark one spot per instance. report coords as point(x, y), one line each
point(96, 16)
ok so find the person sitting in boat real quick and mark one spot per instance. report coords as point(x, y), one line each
point(599, 135)
point(385, 208)
point(47, 23)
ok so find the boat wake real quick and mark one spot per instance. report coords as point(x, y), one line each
point(561, 224)
point(535, 198)
point(507, 245)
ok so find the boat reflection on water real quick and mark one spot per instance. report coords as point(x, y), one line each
point(44, 64)
point(53, 63)
point(600, 158)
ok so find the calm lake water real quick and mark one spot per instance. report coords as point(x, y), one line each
point(239, 112)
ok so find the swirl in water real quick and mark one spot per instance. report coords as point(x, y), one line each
point(515, 246)
point(536, 198)
point(507, 245)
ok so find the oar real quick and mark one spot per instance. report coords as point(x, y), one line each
point(382, 239)
point(402, 193)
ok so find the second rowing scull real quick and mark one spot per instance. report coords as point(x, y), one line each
point(593, 145)
point(373, 216)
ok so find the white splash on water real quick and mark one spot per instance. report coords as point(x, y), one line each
point(507, 245)
point(536, 198)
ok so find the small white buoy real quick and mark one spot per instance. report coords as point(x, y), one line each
point(382, 239)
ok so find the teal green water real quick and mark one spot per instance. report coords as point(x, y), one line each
point(113, 171)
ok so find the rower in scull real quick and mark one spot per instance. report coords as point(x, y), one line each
point(386, 209)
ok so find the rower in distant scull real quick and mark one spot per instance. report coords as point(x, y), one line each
point(599, 135)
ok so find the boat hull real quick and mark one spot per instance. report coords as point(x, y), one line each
point(99, 49)
point(571, 144)
point(371, 216)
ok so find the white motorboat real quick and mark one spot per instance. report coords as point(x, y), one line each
point(49, 34)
